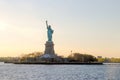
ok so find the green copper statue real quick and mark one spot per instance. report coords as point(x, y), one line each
point(49, 32)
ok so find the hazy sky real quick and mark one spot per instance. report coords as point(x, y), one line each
point(85, 26)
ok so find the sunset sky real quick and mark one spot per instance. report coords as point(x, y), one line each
point(85, 26)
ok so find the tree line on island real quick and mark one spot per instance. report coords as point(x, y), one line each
point(74, 57)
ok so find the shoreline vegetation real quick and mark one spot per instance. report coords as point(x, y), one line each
point(74, 58)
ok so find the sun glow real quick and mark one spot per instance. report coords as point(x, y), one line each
point(3, 26)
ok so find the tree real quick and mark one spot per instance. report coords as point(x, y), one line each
point(81, 57)
point(30, 56)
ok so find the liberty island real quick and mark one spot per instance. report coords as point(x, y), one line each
point(50, 57)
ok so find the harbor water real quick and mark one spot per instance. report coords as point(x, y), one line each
point(109, 71)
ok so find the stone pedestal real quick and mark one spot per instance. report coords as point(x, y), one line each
point(49, 48)
point(49, 51)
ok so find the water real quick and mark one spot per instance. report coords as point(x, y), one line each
point(59, 72)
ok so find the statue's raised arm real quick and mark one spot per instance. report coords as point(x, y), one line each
point(47, 24)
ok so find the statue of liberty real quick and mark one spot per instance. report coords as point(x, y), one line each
point(49, 32)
